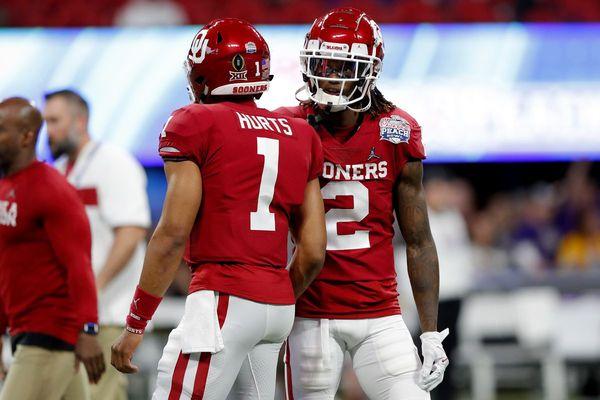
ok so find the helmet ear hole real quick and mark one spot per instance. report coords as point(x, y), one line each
point(199, 80)
point(219, 37)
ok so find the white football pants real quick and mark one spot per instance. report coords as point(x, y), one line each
point(252, 333)
point(384, 358)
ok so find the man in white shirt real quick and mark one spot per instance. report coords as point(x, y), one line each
point(112, 185)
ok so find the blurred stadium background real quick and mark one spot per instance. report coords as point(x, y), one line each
point(508, 94)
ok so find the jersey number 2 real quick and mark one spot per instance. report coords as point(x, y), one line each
point(263, 219)
point(360, 196)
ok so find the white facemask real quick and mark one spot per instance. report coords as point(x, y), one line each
point(333, 101)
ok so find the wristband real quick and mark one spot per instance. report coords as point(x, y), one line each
point(141, 310)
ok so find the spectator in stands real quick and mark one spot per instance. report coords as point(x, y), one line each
point(490, 229)
point(112, 185)
point(577, 192)
point(462, 197)
point(536, 238)
point(580, 249)
point(488, 255)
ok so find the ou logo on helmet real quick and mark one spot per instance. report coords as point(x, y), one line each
point(199, 46)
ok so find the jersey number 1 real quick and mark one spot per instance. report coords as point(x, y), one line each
point(263, 219)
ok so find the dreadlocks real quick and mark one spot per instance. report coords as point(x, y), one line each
point(379, 104)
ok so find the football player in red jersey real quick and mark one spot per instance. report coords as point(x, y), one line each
point(239, 179)
point(372, 167)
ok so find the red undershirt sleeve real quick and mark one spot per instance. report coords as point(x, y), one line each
point(68, 230)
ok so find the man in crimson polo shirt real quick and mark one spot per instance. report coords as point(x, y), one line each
point(47, 291)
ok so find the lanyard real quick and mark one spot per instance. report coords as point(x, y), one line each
point(80, 171)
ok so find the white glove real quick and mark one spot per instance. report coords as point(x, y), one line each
point(435, 360)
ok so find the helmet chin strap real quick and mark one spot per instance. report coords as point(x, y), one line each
point(191, 94)
point(300, 90)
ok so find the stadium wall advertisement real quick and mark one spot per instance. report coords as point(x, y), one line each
point(482, 92)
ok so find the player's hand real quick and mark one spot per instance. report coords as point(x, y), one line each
point(122, 351)
point(435, 360)
point(89, 352)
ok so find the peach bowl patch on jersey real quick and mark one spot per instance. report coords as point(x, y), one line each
point(394, 129)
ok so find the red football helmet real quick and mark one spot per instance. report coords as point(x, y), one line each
point(346, 46)
point(228, 57)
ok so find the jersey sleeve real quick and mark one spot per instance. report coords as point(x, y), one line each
point(292, 112)
point(122, 192)
point(70, 241)
point(185, 135)
point(316, 165)
point(412, 149)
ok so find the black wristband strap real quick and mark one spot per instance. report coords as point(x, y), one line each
point(91, 328)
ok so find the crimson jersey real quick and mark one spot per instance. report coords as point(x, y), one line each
point(255, 165)
point(358, 279)
point(46, 279)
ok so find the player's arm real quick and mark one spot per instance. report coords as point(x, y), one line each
point(68, 230)
point(310, 237)
point(411, 212)
point(164, 253)
point(126, 240)
point(423, 270)
point(166, 247)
